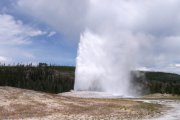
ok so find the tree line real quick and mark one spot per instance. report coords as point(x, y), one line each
point(52, 79)
point(158, 82)
point(57, 79)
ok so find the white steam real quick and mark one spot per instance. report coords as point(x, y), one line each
point(104, 62)
point(108, 50)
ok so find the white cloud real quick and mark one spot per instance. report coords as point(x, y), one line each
point(143, 69)
point(65, 16)
point(177, 65)
point(15, 54)
point(14, 32)
point(14, 38)
point(3, 59)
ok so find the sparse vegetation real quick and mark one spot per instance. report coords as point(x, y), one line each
point(23, 104)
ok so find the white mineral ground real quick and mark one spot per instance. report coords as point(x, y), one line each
point(173, 113)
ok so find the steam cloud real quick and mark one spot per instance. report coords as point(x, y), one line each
point(116, 41)
point(104, 62)
point(108, 51)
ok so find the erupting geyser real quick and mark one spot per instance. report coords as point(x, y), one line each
point(108, 49)
point(104, 62)
point(112, 45)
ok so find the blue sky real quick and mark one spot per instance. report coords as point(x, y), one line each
point(49, 31)
point(44, 44)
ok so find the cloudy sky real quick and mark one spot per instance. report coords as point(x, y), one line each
point(49, 30)
point(30, 32)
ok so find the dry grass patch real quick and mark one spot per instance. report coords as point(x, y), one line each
point(23, 104)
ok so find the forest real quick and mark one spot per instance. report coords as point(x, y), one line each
point(57, 79)
point(43, 77)
point(157, 82)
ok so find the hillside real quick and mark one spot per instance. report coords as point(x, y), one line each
point(157, 82)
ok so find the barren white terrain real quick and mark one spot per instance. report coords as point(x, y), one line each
point(173, 112)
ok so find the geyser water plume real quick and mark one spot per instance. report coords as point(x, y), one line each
point(104, 62)
point(109, 48)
